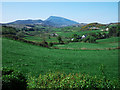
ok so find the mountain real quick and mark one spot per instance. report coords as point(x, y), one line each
point(53, 21)
point(59, 21)
point(29, 21)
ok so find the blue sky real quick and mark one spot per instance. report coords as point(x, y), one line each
point(82, 12)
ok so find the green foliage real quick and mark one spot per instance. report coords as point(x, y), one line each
point(50, 44)
point(75, 36)
point(89, 39)
point(8, 30)
point(13, 80)
point(78, 80)
point(20, 34)
point(59, 39)
point(114, 31)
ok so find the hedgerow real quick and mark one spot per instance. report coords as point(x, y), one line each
point(78, 80)
point(13, 80)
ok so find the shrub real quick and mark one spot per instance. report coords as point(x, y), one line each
point(8, 30)
point(62, 80)
point(13, 80)
point(89, 39)
point(50, 44)
point(59, 39)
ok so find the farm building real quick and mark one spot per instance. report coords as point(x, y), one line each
point(94, 28)
point(54, 34)
point(107, 29)
point(83, 36)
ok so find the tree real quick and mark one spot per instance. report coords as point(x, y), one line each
point(75, 36)
point(114, 31)
point(59, 39)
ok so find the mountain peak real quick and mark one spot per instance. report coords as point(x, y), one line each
point(60, 21)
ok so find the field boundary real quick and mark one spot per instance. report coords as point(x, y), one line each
point(86, 48)
point(46, 45)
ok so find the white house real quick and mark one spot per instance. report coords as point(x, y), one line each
point(72, 39)
point(83, 36)
point(107, 29)
point(94, 28)
point(54, 34)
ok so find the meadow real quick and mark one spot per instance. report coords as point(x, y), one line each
point(39, 60)
point(100, 44)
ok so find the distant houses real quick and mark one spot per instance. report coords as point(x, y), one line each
point(107, 29)
point(83, 36)
point(80, 37)
point(94, 28)
point(54, 34)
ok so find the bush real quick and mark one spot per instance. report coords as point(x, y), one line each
point(13, 80)
point(59, 39)
point(114, 31)
point(62, 80)
point(89, 39)
point(50, 44)
point(8, 30)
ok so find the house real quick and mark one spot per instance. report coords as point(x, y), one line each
point(72, 39)
point(107, 29)
point(54, 34)
point(94, 28)
point(83, 36)
point(28, 27)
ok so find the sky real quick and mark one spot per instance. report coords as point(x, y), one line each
point(82, 12)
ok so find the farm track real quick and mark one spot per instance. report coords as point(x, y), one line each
point(87, 48)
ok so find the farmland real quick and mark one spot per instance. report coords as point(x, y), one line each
point(35, 59)
point(44, 52)
point(101, 44)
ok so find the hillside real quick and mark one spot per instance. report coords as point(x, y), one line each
point(92, 25)
point(53, 21)
point(29, 21)
point(59, 21)
point(41, 60)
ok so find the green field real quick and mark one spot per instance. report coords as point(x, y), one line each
point(68, 34)
point(38, 60)
point(101, 44)
point(39, 39)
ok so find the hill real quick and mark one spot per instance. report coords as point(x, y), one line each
point(29, 21)
point(41, 60)
point(59, 21)
point(53, 21)
point(93, 25)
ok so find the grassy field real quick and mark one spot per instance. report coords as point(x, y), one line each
point(63, 34)
point(68, 34)
point(38, 60)
point(101, 44)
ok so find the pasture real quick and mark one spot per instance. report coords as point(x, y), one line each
point(101, 44)
point(39, 60)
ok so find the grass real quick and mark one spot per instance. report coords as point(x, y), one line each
point(109, 40)
point(101, 44)
point(38, 60)
point(38, 39)
point(69, 34)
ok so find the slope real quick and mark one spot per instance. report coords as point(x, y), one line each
point(30, 58)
